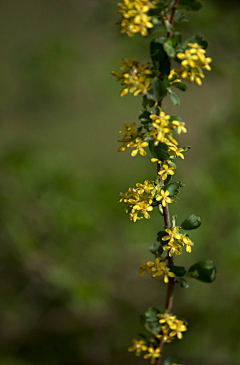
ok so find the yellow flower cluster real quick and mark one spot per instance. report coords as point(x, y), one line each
point(130, 139)
point(141, 345)
point(134, 16)
point(193, 61)
point(171, 326)
point(176, 241)
point(159, 128)
point(156, 268)
point(140, 199)
point(135, 77)
point(162, 126)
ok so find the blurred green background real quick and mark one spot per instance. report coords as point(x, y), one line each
point(69, 284)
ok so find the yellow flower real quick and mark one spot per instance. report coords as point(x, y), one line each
point(144, 268)
point(188, 58)
point(173, 248)
point(138, 346)
point(135, 77)
point(138, 147)
point(135, 18)
point(163, 198)
point(186, 241)
point(176, 151)
point(129, 129)
point(146, 186)
point(165, 335)
point(126, 142)
point(144, 208)
point(166, 171)
point(139, 200)
point(162, 270)
point(171, 139)
point(166, 318)
point(125, 196)
point(133, 215)
point(178, 327)
point(161, 125)
point(153, 355)
point(174, 72)
point(180, 126)
point(193, 60)
point(172, 234)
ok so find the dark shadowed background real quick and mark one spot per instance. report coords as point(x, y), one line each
point(69, 284)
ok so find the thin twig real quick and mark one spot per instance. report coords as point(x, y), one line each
point(172, 16)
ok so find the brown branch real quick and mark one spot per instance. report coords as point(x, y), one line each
point(172, 16)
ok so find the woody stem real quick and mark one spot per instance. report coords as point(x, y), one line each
point(171, 283)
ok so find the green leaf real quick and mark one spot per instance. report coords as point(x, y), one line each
point(190, 5)
point(160, 151)
point(203, 270)
point(157, 28)
point(160, 209)
point(172, 359)
point(159, 89)
point(145, 116)
point(151, 321)
point(168, 48)
point(198, 38)
point(151, 314)
point(177, 270)
point(180, 85)
point(156, 249)
point(174, 98)
point(186, 149)
point(159, 57)
point(160, 235)
point(146, 101)
point(173, 189)
point(180, 17)
point(192, 222)
point(175, 117)
point(183, 283)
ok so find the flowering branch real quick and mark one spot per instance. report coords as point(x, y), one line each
point(158, 131)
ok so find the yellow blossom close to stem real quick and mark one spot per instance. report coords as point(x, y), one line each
point(156, 268)
point(153, 355)
point(173, 248)
point(167, 170)
point(166, 318)
point(172, 234)
point(177, 328)
point(134, 76)
point(164, 336)
point(138, 346)
point(163, 198)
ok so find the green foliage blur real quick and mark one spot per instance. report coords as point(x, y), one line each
point(69, 284)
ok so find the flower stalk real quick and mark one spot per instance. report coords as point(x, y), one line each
point(159, 133)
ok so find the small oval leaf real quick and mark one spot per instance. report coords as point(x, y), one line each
point(192, 222)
